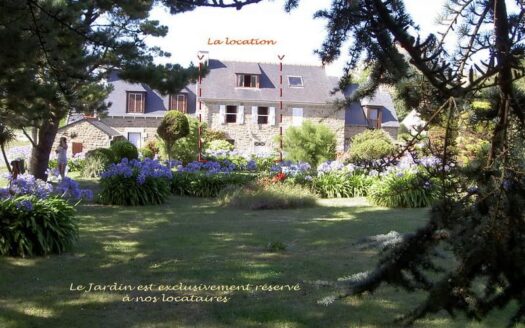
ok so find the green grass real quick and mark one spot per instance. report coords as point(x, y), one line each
point(193, 241)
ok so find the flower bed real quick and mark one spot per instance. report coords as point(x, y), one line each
point(135, 183)
point(37, 218)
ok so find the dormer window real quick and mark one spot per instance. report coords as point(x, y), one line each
point(179, 102)
point(295, 81)
point(374, 117)
point(248, 80)
point(136, 101)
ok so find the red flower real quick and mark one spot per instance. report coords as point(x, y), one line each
point(279, 177)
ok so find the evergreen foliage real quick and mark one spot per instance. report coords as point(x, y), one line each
point(479, 215)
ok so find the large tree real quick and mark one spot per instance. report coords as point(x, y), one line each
point(55, 56)
point(480, 217)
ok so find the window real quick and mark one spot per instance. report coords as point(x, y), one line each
point(135, 138)
point(231, 114)
point(247, 80)
point(179, 102)
point(136, 102)
point(374, 118)
point(295, 81)
point(262, 115)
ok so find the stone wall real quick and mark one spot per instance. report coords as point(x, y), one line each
point(145, 125)
point(248, 136)
point(83, 132)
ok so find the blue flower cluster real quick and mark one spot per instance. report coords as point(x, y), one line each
point(17, 153)
point(25, 205)
point(70, 189)
point(26, 184)
point(290, 168)
point(141, 170)
point(209, 167)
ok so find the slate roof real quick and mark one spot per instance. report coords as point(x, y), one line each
point(98, 124)
point(220, 83)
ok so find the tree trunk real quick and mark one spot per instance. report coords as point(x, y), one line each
point(40, 154)
point(5, 158)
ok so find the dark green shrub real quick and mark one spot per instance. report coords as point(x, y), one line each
point(105, 154)
point(341, 185)
point(31, 226)
point(124, 149)
point(264, 197)
point(311, 143)
point(206, 185)
point(370, 145)
point(403, 189)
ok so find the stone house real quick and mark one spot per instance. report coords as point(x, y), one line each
point(244, 99)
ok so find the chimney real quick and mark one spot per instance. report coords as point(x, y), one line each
point(204, 57)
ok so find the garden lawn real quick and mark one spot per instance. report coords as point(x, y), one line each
point(193, 241)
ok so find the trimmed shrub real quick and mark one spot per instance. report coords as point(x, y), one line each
point(174, 126)
point(31, 226)
point(220, 145)
point(403, 189)
point(264, 197)
point(105, 154)
point(370, 145)
point(311, 142)
point(186, 149)
point(135, 183)
point(201, 184)
point(341, 185)
point(124, 149)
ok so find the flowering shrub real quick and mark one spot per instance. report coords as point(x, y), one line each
point(30, 225)
point(404, 188)
point(342, 184)
point(226, 157)
point(37, 218)
point(18, 153)
point(135, 183)
point(201, 184)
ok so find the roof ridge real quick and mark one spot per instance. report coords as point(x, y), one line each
point(265, 62)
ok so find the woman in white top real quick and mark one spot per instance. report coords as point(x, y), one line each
point(62, 156)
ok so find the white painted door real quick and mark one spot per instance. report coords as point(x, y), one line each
point(297, 116)
point(135, 138)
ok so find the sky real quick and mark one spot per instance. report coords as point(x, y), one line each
point(296, 34)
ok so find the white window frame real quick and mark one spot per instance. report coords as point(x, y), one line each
point(295, 86)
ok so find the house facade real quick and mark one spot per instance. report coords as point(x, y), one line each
point(244, 100)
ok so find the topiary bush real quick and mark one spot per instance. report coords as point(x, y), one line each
point(124, 149)
point(135, 183)
point(173, 127)
point(370, 145)
point(31, 226)
point(262, 196)
point(200, 184)
point(311, 142)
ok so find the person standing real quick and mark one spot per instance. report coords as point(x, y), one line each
point(62, 156)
